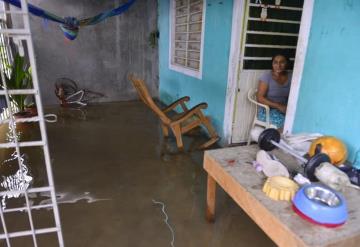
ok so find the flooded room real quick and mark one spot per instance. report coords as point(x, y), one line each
point(179, 123)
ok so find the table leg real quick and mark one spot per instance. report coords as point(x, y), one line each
point(210, 199)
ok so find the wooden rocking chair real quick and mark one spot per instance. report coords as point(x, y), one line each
point(181, 122)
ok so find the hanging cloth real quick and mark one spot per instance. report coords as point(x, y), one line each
point(70, 25)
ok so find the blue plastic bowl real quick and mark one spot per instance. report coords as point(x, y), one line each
point(321, 205)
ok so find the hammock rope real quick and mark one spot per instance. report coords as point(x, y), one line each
point(70, 25)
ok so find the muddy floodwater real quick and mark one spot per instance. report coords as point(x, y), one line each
point(115, 176)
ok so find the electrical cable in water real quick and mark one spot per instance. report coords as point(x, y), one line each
point(166, 220)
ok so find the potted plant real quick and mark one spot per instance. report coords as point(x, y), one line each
point(20, 78)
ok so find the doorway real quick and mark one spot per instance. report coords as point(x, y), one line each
point(262, 29)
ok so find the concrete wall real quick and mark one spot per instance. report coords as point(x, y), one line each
point(212, 87)
point(329, 94)
point(102, 55)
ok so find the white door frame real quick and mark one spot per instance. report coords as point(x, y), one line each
point(233, 73)
point(232, 87)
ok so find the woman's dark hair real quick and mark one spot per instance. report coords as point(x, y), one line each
point(283, 55)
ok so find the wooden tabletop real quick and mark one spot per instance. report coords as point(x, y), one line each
point(231, 169)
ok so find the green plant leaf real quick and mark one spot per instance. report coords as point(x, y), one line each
point(20, 78)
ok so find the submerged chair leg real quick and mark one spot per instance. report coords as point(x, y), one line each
point(177, 132)
point(212, 132)
point(165, 130)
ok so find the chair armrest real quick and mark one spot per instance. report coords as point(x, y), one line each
point(257, 103)
point(191, 112)
point(266, 107)
point(267, 111)
point(176, 103)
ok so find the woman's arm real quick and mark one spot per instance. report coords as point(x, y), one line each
point(261, 98)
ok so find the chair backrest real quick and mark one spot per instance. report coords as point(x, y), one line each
point(147, 99)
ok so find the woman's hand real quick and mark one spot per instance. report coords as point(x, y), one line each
point(281, 108)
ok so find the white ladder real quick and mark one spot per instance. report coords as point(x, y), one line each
point(24, 34)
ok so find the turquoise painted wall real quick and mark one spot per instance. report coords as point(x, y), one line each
point(329, 93)
point(212, 87)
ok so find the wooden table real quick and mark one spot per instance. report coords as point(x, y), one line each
point(231, 169)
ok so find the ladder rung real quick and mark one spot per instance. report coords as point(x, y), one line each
point(25, 208)
point(13, 12)
point(28, 233)
point(22, 144)
point(15, 31)
point(19, 91)
point(31, 190)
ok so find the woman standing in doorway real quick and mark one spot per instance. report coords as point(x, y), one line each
point(273, 90)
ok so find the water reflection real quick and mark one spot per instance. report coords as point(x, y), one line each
point(13, 183)
point(27, 170)
point(68, 197)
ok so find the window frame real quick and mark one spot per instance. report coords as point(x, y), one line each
point(176, 67)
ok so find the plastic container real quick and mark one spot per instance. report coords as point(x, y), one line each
point(321, 205)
